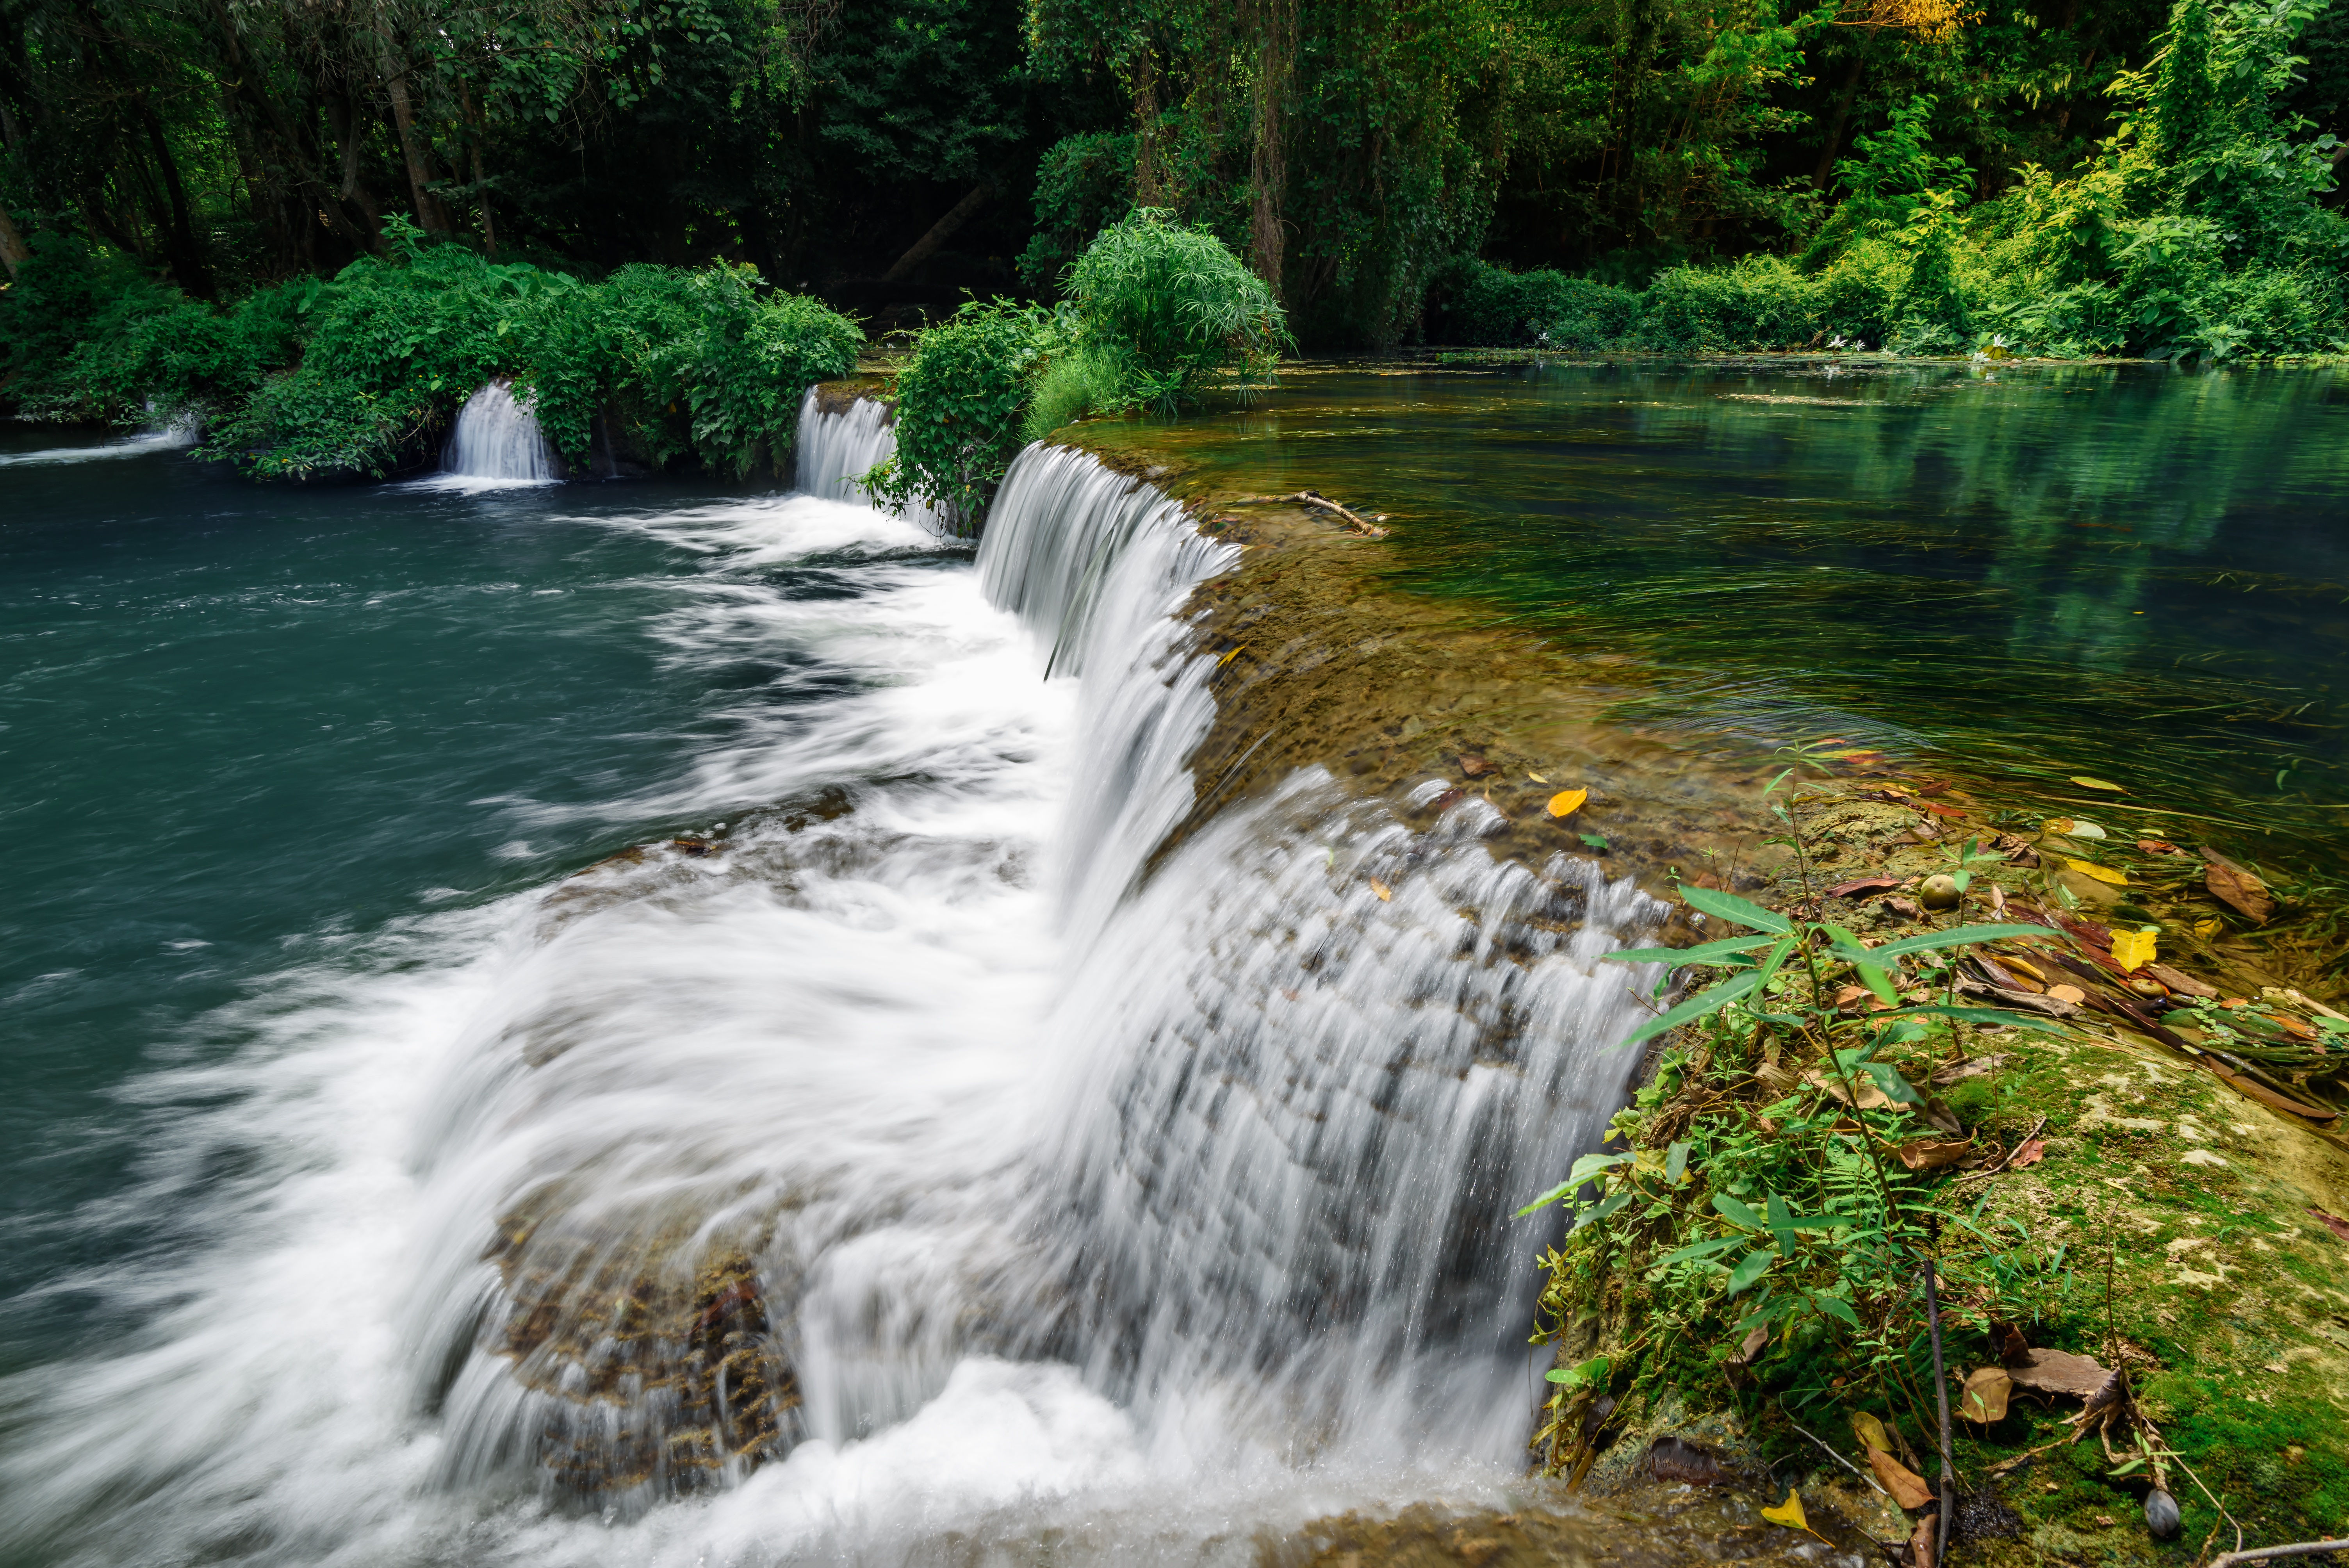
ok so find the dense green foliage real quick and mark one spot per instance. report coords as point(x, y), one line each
point(356, 374)
point(1156, 314)
point(2145, 176)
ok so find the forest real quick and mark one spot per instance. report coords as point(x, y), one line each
point(317, 223)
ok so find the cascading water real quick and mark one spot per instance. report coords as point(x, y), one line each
point(837, 450)
point(931, 1162)
point(497, 441)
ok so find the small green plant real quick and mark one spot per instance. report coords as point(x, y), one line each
point(960, 402)
point(1173, 309)
point(1769, 1215)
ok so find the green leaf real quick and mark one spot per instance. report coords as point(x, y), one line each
point(1704, 954)
point(1592, 1216)
point(1591, 1371)
point(1735, 1212)
point(1751, 1267)
point(1981, 1016)
point(1833, 1305)
point(1735, 909)
point(1933, 941)
point(1697, 1250)
point(1696, 1007)
point(1888, 1078)
point(1676, 1162)
point(1781, 1226)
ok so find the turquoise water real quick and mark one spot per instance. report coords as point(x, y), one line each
point(2131, 572)
point(245, 726)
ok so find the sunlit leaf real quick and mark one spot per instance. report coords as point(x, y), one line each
point(1566, 802)
point(1790, 1514)
point(2134, 949)
point(2087, 783)
point(1704, 954)
point(2100, 873)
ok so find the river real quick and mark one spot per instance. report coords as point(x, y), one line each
point(642, 1023)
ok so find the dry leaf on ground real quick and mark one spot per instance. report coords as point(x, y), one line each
point(1986, 1392)
point(1472, 763)
point(1859, 887)
point(2184, 985)
point(2086, 783)
point(1789, 1513)
point(1905, 1486)
point(2333, 1222)
point(2032, 1153)
point(1926, 1155)
point(2133, 950)
point(1972, 1066)
point(2091, 869)
point(1566, 802)
point(1870, 1096)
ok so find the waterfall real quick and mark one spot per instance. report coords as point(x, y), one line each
point(497, 441)
point(836, 451)
point(1296, 1114)
point(936, 1159)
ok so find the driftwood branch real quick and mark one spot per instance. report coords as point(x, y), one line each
point(940, 232)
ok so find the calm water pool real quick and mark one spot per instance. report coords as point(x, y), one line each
point(2129, 572)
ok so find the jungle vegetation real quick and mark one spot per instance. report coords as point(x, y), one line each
point(192, 190)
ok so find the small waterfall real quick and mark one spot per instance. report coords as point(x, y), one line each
point(497, 441)
point(1297, 1114)
point(836, 451)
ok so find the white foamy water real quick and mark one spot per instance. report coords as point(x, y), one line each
point(495, 443)
point(922, 1140)
point(171, 438)
point(837, 450)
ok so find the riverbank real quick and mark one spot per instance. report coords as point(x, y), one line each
point(2117, 1157)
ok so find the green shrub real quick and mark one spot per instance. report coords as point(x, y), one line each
point(1175, 308)
point(314, 424)
point(1074, 382)
point(1489, 306)
point(1083, 184)
point(1761, 301)
point(958, 405)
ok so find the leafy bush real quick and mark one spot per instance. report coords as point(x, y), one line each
point(1493, 308)
point(1083, 184)
point(1175, 308)
point(356, 374)
point(1074, 382)
point(1761, 301)
point(958, 405)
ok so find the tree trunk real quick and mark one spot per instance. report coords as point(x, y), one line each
point(939, 232)
point(1834, 143)
point(182, 245)
point(476, 131)
point(14, 252)
point(1267, 164)
point(1149, 177)
point(429, 216)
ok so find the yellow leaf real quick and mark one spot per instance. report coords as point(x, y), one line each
point(2134, 949)
point(1789, 1513)
point(2086, 783)
point(1536, 778)
point(2101, 873)
point(1869, 1431)
point(1566, 802)
point(1379, 887)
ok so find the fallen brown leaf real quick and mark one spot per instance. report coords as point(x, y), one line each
point(1870, 1096)
point(2158, 847)
point(2071, 994)
point(1925, 1155)
point(1472, 763)
point(1986, 1392)
point(1906, 908)
point(2032, 1153)
point(2237, 888)
point(1746, 1352)
point(1860, 886)
point(1905, 1486)
point(2333, 1222)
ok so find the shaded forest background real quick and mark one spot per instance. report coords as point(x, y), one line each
point(894, 156)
